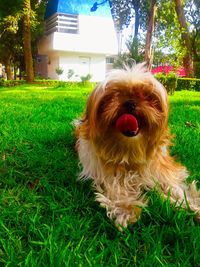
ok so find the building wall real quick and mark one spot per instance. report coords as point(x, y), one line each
point(96, 35)
point(53, 63)
point(80, 64)
point(85, 51)
point(41, 66)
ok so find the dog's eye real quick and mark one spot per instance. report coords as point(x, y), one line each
point(148, 98)
point(102, 107)
point(104, 103)
point(153, 102)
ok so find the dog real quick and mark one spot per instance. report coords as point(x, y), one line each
point(123, 145)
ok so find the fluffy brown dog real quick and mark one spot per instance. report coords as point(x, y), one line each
point(123, 142)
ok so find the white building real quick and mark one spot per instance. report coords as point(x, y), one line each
point(76, 40)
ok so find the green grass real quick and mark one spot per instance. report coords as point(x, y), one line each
point(48, 218)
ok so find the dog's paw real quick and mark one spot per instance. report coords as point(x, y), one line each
point(120, 213)
point(127, 216)
point(124, 216)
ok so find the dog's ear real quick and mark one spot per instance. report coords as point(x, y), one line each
point(90, 104)
point(162, 92)
point(88, 121)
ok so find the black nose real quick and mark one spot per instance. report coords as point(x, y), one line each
point(130, 106)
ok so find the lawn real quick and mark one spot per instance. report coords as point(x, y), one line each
point(48, 218)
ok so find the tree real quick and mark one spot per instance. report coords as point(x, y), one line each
point(187, 59)
point(142, 12)
point(168, 33)
point(8, 30)
point(123, 12)
point(176, 28)
point(18, 40)
point(150, 28)
point(192, 16)
point(27, 40)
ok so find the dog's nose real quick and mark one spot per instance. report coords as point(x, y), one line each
point(130, 106)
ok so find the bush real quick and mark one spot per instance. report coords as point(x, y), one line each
point(70, 74)
point(197, 69)
point(54, 83)
point(169, 81)
point(87, 78)
point(123, 60)
point(59, 71)
point(47, 82)
point(10, 83)
point(191, 84)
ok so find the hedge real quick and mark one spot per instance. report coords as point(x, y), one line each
point(53, 83)
point(188, 84)
point(10, 83)
point(173, 83)
point(169, 81)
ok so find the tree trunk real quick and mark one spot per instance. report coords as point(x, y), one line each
point(136, 5)
point(27, 41)
point(187, 60)
point(148, 56)
point(8, 68)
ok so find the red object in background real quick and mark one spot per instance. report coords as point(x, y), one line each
point(181, 72)
point(167, 69)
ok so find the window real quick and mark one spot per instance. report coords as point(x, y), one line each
point(65, 23)
point(110, 60)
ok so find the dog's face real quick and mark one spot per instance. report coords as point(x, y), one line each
point(139, 98)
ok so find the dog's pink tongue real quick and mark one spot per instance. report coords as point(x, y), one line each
point(127, 124)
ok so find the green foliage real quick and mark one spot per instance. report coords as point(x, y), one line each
point(167, 29)
point(10, 83)
point(134, 55)
point(169, 81)
point(191, 84)
point(86, 78)
point(124, 11)
point(162, 58)
point(9, 24)
point(173, 83)
point(37, 21)
point(192, 15)
point(10, 42)
point(122, 60)
point(135, 47)
point(59, 70)
point(121, 11)
point(197, 65)
point(70, 74)
point(48, 82)
point(11, 30)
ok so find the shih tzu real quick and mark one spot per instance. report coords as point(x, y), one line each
point(122, 143)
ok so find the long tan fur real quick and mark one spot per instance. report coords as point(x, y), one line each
point(123, 168)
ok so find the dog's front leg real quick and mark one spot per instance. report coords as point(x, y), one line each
point(186, 196)
point(122, 211)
